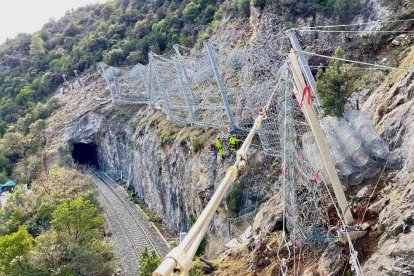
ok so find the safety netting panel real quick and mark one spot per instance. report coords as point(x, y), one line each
point(202, 82)
point(126, 84)
point(304, 194)
point(167, 85)
point(264, 75)
point(232, 64)
point(357, 149)
point(140, 76)
point(269, 131)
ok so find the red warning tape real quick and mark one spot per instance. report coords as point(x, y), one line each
point(306, 92)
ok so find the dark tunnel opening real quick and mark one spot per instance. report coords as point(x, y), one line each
point(85, 154)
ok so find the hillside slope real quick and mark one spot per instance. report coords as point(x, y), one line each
point(174, 170)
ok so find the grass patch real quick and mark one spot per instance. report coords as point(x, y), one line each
point(168, 135)
point(154, 120)
point(140, 124)
point(196, 145)
point(153, 217)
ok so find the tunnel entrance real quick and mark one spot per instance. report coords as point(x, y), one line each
point(85, 154)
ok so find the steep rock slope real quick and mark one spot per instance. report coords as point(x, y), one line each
point(391, 107)
point(173, 170)
point(176, 181)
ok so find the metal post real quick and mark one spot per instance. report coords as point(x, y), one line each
point(214, 65)
point(316, 129)
point(144, 80)
point(152, 98)
point(77, 77)
point(177, 51)
point(303, 62)
point(65, 81)
point(185, 89)
point(161, 87)
point(106, 80)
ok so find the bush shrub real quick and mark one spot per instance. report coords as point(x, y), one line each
point(235, 197)
point(148, 263)
point(196, 145)
point(243, 6)
point(168, 135)
point(335, 84)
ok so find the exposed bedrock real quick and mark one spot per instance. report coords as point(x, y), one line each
point(171, 179)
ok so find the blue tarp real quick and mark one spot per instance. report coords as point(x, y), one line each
point(9, 183)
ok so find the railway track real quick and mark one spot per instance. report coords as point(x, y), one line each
point(131, 231)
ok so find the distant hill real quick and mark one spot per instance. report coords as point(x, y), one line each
point(118, 32)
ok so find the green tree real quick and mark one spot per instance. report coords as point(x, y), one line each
point(235, 197)
point(13, 146)
point(74, 245)
point(14, 250)
point(335, 84)
point(115, 56)
point(148, 263)
point(259, 4)
point(4, 163)
point(37, 46)
point(191, 11)
point(344, 10)
point(244, 7)
point(77, 221)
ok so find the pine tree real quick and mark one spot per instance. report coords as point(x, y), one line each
point(335, 84)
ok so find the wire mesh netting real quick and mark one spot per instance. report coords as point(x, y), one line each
point(356, 147)
point(304, 205)
point(167, 85)
point(224, 88)
point(127, 84)
point(202, 83)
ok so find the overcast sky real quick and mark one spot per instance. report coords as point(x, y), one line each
point(28, 16)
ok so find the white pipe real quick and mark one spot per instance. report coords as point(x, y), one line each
point(180, 258)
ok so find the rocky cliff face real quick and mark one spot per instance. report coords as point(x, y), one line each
point(175, 179)
point(391, 107)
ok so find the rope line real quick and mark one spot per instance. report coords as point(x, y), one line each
point(411, 70)
point(355, 24)
point(355, 31)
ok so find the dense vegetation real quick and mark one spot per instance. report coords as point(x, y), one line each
point(54, 228)
point(148, 263)
point(118, 32)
